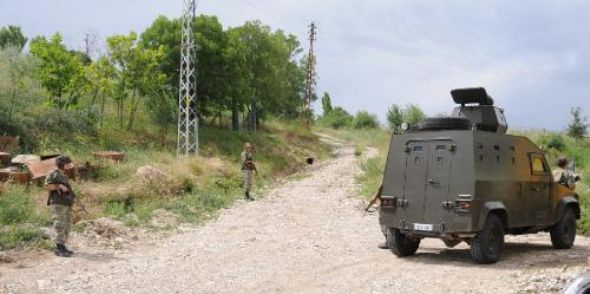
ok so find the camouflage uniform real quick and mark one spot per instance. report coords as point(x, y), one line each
point(247, 171)
point(60, 204)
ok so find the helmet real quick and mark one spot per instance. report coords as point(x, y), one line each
point(562, 161)
point(62, 160)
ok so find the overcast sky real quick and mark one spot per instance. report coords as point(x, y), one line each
point(532, 56)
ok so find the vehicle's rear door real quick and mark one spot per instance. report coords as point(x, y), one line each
point(440, 159)
point(415, 181)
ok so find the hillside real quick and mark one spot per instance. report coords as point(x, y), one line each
point(190, 188)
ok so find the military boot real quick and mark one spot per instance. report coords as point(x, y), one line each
point(61, 250)
point(70, 252)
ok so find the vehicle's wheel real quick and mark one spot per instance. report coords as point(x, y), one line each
point(443, 123)
point(486, 246)
point(563, 233)
point(400, 244)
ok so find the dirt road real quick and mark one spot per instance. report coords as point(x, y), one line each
point(304, 236)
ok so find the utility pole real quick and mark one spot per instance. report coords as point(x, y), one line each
point(310, 72)
point(188, 121)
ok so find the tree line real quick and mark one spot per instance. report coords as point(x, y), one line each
point(245, 73)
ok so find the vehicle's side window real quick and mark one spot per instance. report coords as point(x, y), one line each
point(538, 166)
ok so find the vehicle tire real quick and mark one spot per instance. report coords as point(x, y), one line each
point(486, 246)
point(443, 123)
point(400, 244)
point(563, 233)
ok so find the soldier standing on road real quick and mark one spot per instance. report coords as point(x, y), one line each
point(61, 198)
point(248, 167)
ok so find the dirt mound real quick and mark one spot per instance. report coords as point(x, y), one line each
point(151, 174)
point(106, 232)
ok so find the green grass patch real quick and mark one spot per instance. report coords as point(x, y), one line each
point(19, 236)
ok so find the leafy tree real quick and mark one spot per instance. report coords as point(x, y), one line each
point(395, 117)
point(12, 36)
point(60, 72)
point(326, 103)
point(15, 69)
point(137, 73)
point(365, 120)
point(413, 114)
point(100, 75)
point(337, 118)
point(577, 128)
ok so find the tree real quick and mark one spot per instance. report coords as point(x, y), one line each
point(413, 114)
point(337, 118)
point(326, 103)
point(137, 73)
point(12, 36)
point(15, 69)
point(60, 72)
point(100, 75)
point(365, 120)
point(577, 128)
point(395, 117)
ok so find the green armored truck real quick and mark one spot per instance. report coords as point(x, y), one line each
point(462, 178)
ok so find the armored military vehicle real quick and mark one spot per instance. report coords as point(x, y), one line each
point(462, 178)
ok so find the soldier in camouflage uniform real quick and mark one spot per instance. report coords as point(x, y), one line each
point(248, 167)
point(564, 176)
point(61, 198)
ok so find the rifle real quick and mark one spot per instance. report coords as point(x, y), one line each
point(570, 176)
point(372, 202)
point(375, 198)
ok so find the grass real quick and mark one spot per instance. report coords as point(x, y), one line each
point(20, 219)
point(194, 188)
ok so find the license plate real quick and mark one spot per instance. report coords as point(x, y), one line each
point(422, 227)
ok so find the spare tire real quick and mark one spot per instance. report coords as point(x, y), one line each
point(443, 123)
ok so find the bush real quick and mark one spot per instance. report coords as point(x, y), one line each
point(552, 141)
point(15, 207)
point(61, 122)
point(337, 118)
point(365, 120)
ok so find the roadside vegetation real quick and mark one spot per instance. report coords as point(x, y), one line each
point(63, 101)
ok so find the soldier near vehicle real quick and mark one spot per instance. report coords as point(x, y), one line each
point(377, 197)
point(463, 179)
point(60, 200)
point(248, 168)
point(564, 174)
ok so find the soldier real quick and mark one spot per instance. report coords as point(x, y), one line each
point(248, 167)
point(61, 198)
point(376, 198)
point(564, 176)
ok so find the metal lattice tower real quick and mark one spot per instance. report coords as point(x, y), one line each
point(188, 122)
point(310, 72)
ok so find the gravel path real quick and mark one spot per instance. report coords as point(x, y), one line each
point(304, 236)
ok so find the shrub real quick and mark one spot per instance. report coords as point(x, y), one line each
point(15, 207)
point(365, 120)
point(337, 118)
point(61, 122)
point(552, 141)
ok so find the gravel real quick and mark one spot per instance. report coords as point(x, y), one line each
point(304, 236)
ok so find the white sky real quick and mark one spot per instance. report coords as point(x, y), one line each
point(532, 56)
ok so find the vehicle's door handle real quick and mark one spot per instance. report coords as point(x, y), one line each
point(536, 189)
point(433, 182)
